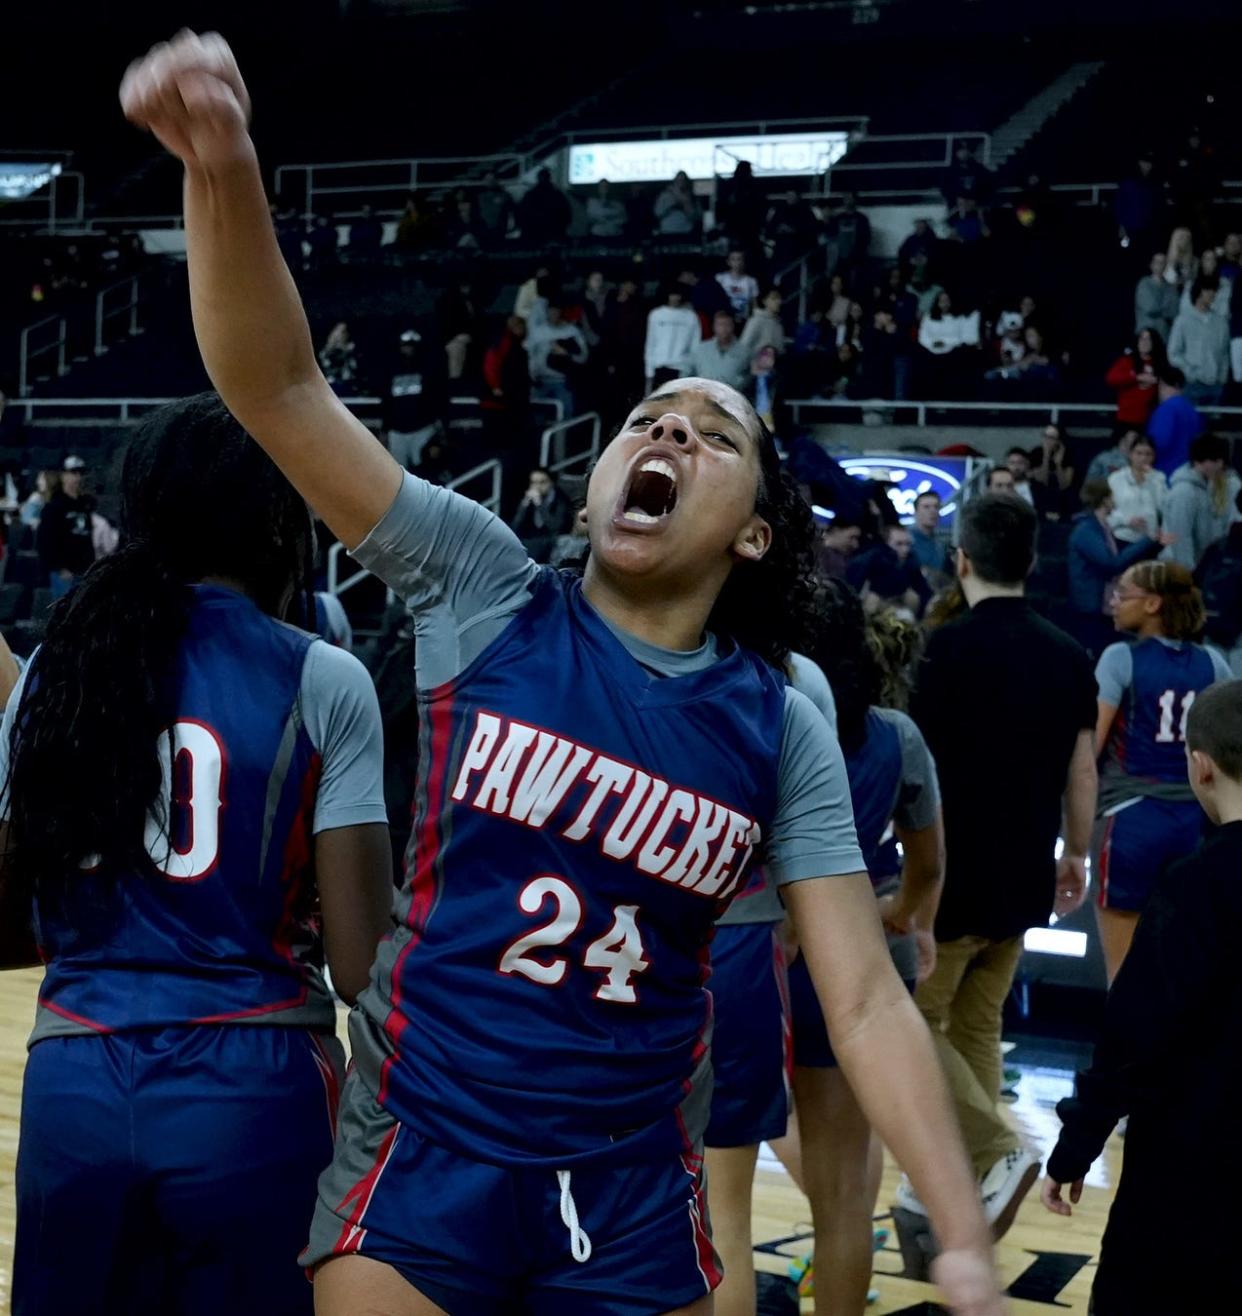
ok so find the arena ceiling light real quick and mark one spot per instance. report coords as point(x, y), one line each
point(20, 179)
point(771, 155)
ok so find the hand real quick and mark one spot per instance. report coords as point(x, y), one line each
point(1050, 1195)
point(189, 93)
point(1166, 538)
point(1146, 379)
point(1071, 884)
point(1138, 523)
point(968, 1282)
point(896, 918)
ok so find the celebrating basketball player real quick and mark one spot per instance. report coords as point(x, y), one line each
point(602, 759)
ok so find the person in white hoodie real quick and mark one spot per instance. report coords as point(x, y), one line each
point(673, 332)
point(1199, 346)
point(1189, 513)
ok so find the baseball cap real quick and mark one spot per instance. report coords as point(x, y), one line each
point(73, 464)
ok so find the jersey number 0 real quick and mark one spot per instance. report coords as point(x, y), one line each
point(187, 847)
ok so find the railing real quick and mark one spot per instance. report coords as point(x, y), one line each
point(490, 471)
point(336, 585)
point(392, 177)
point(128, 307)
point(126, 411)
point(30, 349)
point(554, 437)
point(920, 411)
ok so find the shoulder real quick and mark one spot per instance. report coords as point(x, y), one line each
point(330, 673)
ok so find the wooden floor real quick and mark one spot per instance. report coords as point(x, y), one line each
point(1042, 1256)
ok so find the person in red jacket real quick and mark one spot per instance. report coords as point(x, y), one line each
point(1133, 377)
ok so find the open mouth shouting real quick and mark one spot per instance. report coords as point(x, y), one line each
point(651, 495)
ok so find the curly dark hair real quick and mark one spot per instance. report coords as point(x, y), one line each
point(200, 499)
point(845, 654)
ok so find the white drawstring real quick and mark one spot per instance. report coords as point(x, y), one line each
point(579, 1243)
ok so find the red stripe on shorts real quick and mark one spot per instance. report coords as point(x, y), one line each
point(352, 1232)
point(705, 1254)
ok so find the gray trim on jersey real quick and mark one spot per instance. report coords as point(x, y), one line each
point(277, 779)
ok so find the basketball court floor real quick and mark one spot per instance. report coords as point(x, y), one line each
point(1048, 1263)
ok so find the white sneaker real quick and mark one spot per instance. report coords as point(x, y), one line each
point(906, 1198)
point(1004, 1186)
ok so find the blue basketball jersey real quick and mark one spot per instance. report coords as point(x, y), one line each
point(219, 924)
point(1148, 737)
point(874, 770)
point(543, 1000)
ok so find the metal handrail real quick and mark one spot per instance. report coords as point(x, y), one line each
point(494, 472)
point(1053, 410)
point(102, 316)
point(26, 354)
point(124, 407)
point(336, 585)
point(558, 431)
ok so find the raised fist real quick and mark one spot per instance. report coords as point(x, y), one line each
point(189, 93)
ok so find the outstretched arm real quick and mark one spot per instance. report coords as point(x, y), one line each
point(249, 320)
point(886, 1053)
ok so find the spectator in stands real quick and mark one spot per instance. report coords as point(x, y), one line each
point(1199, 347)
point(1174, 423)
point(967, 177)
point(417, 229)
point(1181, 266)
point(922, 242)
point(789, 230)
point(1000, 480)
point(838, 543)
point(838, 302)
point(921, 286)
point(949, 346)
point(967, 224)
point(1035, 369)
point(414, 403)
point(324, 242)
point(1009, 346)
point(741, 288)
point(848, 234)
point(624, 341)
point(338, 357)
point(677, 210)
point(705, 296)
point(1018, 460)
point(845, 372)
point(742, 208)
point(764, 328)
point(886, 358)
point(852, 331)
point(606, 213)
point(927, 543)
point(1210, 276)
point(1136, 204)
point(1139, 494)
point(1000, 666)
point(1096, 560)
point(596, 293)
point(461, 325)
point(1155, 299)
point(65, 535)
point(1190, 515)
point(506, 378)
point(722, 356)
point(557, 351)
point(532, 296)
point(47, 483)
point(493, 208)
point(366, 236)
point(462, 230)
point(672, 335)
point(761, 387)
point(903, 304)
point(543, 515)
point(1231, 257)
point(1219, 576)
point(1116, 458)
point(1133, 377)
point(543, 214)
point(889, 575)
point(1053, 470)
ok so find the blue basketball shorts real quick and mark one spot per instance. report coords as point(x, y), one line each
point(1135, 844)
point(812, 1047)
point(479, 1239)
point(172, 1171)
point(752, 1046)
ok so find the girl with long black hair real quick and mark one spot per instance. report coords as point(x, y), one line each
point(601, 759)
point(194, 812)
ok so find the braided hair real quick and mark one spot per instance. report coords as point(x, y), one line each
point(848, 660)
point(200, 499)
point(1182, 614)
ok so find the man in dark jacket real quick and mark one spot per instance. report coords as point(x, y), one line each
point(543, 213)
point(65, 541)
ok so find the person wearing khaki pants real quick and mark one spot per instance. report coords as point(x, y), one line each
point(1006, 703)
point(962, 1002)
